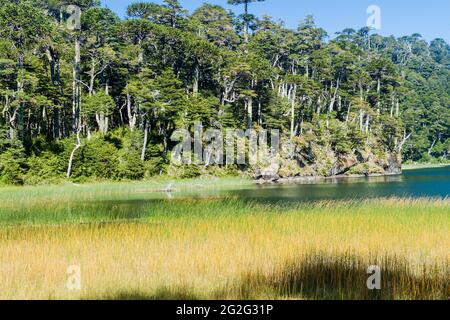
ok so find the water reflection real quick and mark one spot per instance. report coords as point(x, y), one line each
point(414, 184)
point(411, 184)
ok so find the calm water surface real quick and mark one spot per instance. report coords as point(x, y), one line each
point(412, 183)
point(433, 183)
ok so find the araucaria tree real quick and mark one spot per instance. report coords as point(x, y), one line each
point(247, 17)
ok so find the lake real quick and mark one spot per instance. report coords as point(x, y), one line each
point(135, 201)
point(434, 182)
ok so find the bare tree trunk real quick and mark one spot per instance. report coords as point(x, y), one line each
point(367, 123)
point(12, 126)
point(432, 146)
point(293, 101)
point(379, 95)
point(246, 24)
point(361, 120)
point(333, 99)
point(76, 103)
point(102, 122)
point(250, 112)
point(196, 79)
point(92, 77)
point(131, 116)
point(392, 105)
point(72, 154)
point(405, 139)
point(259, 113)
point(347, 118)
point(11, 119)
point(144, 147)
point(76, 99)
point(19, 113)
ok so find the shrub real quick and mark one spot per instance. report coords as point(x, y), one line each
point(184, 171)
point(155, 166)
point(12, 167)
point(130, 164)
point(96, 158)
point(48, 167)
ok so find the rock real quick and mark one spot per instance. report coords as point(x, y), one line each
point(393, 165)
point(325, 162)
point(270, 173)
point(344, 164)
point(257, 174)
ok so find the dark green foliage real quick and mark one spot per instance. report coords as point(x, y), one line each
point(45, 168)
point(162, 69)
point(12, 167)
point(130, 164)
point(97, 158)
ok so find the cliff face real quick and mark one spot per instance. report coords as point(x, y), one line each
point(299, 160)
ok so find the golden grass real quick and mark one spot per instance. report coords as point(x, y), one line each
point(311, 251)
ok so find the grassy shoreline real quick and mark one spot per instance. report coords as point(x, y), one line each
point(227, 249)
point(418, 166)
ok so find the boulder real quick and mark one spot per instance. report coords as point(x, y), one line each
point(270, 173)
point(393, 165)
point(344, 164)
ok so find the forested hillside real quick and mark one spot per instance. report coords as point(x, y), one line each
point(103, 101)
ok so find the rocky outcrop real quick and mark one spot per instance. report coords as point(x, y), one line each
point(393, 165)
point(343, 165)
point(269, 173)
point(301, 164)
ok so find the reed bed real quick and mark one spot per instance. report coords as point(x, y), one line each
point(227, 248)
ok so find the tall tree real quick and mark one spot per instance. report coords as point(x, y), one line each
point(247, 17)
point(25, 27)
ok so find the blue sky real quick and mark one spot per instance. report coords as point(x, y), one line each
point(431, 18)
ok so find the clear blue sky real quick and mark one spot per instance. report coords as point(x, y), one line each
point(431, 18)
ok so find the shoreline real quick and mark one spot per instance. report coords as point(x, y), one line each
point(161, 184)
point(314, 179)
point(418, 166)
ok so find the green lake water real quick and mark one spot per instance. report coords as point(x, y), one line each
point(433, 182)
point(136, 203)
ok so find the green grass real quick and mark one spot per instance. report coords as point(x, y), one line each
point(121, 188)
point(131, 243)
point(73, 203)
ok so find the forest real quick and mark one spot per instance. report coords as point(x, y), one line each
point(102, 101)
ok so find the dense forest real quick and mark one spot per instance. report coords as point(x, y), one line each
point(102, 101)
